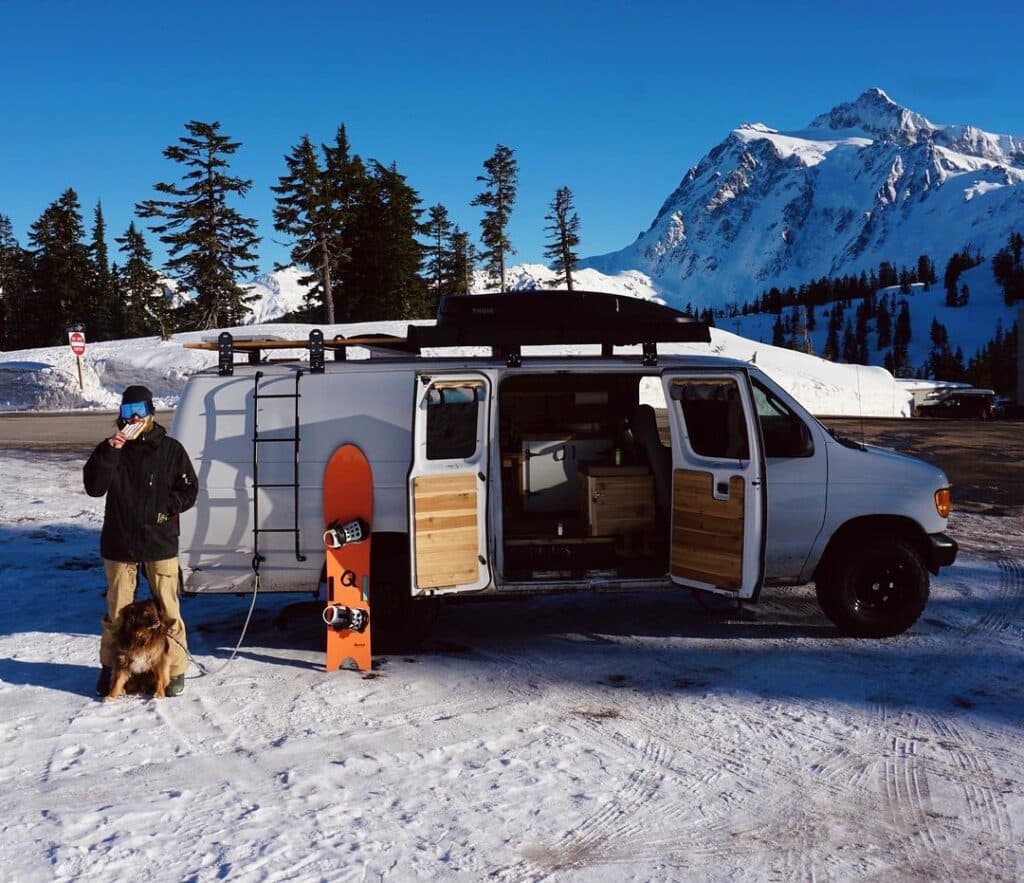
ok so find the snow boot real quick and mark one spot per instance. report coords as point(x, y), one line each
point(175, 686)
point(103, 682)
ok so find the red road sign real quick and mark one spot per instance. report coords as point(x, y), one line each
point(77, 341)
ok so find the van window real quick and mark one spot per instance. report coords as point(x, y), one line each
point(713, 413)
point(452, 421)
point(784, 434)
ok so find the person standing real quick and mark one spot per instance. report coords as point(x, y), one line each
point(149, 481)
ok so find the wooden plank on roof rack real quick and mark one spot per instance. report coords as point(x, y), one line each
point(278, 344)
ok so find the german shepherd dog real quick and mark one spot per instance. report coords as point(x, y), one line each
point(143, 652)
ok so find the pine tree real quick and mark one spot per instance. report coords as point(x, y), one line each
point(861, 355)
point(315, 206)
point(902, 332)
point(800, 339)
point(60, 273)
point(850, 349)
point(942, 363)
point(146, 310)
point(883, 325)
point(926, 271)
point(348, 178)
point(831, 351)
point(498, 198)
point(386, 255)
point(1009, 270)
point(564, 232)
point(15, 280)
point(886, 275)
point(778, 332)
point(106, 323)
point(440, 260)
point(210, 244)
point(994, 366)
point(464, 258)
point(302, 210)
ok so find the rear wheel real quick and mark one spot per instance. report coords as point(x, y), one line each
point(400, 622)
point(876, 587)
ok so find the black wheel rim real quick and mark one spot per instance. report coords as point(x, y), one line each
point(881, 588)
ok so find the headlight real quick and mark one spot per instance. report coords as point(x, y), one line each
point(943, 502)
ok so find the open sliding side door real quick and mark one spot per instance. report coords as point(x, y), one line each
point(448, 483)
point(719, 504)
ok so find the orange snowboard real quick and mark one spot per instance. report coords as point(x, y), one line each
point(348, 514)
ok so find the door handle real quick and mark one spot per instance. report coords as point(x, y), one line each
point(723, 488)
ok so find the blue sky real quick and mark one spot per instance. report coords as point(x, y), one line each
point(614, 100)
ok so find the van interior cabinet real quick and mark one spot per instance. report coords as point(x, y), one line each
point(550, 470)
point(616, 500)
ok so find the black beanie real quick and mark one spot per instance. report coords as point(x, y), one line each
point(137, 394)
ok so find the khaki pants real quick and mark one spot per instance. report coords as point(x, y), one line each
point(163, 581)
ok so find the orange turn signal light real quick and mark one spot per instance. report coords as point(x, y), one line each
point(943, 502)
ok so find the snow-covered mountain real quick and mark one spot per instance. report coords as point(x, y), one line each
point(277, 294)
point(866, 182)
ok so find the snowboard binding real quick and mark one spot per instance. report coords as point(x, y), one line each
point(338, 535)
point(338, 616)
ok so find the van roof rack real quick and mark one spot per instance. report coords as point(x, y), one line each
point(505, 323)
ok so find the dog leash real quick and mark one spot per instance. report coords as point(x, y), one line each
point(202, 668)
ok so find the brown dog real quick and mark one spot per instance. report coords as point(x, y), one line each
point(143, 652)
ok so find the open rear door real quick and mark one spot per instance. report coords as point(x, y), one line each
point(448, 483)
point(718, 482)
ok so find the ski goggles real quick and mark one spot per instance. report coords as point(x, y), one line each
point(134, 409)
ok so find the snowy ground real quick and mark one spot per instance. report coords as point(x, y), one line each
point(612, 738)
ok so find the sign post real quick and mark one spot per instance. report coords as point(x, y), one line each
point(76, 337)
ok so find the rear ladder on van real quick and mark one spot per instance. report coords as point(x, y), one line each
point(257, 485)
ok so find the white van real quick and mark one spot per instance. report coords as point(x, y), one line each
point(505, 473)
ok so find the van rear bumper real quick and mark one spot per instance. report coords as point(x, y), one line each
point(941, 551)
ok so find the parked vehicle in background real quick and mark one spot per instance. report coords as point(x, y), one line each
point(1007, 409)
point(976, 403)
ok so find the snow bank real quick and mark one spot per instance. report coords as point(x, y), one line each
point(46, 379)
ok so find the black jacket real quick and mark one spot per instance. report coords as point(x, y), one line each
point(148, 482)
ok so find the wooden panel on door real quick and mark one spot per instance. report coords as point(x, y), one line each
point(447, 536)
point(707, 533)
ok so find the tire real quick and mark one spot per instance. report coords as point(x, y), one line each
point(875, 588)
point(400, 621)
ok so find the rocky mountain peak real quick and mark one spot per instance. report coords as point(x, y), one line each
point(875, 113)
point(870, 181)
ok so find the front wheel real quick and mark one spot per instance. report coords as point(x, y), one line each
point(876, 587)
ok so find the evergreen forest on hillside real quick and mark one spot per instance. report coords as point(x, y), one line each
point(874, 308)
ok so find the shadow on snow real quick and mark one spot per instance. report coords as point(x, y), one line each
point(52, 582)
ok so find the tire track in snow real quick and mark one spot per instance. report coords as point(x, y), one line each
point(908, 803)
point(982, 796)
point(1006, 612)
point(599, 837)
point(926, 749)
point(615, 832)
